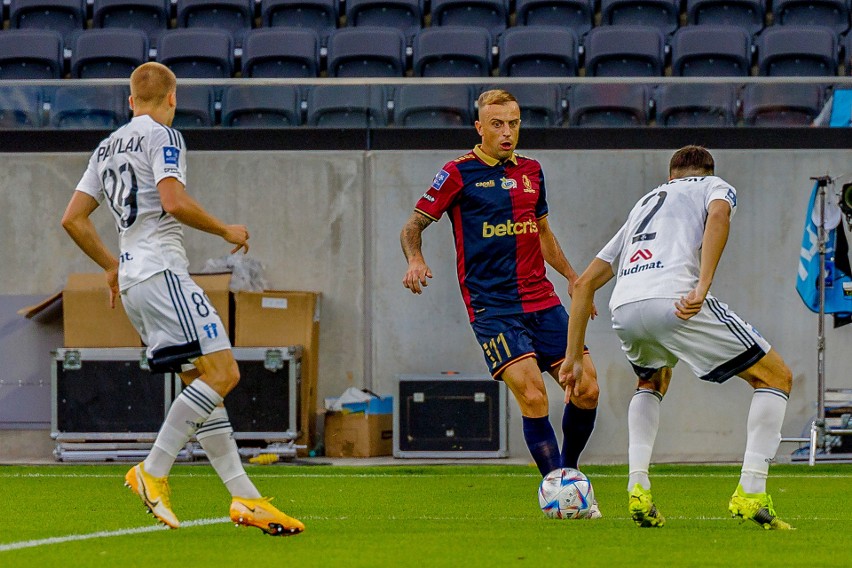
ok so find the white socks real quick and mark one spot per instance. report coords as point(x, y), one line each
point(215, 436)
point(187, 413)
point(765, 417)
point(643, 420)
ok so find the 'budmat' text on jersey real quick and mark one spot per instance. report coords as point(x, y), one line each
point(495, 208)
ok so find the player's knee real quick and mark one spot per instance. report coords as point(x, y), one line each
point(533, 402)
point(588, 395)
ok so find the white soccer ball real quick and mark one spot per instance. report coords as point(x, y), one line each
point(566, 494)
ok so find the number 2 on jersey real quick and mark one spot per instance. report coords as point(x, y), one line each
point(639, 235)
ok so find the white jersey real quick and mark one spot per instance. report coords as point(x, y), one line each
point(125, 169)
point(660, 243)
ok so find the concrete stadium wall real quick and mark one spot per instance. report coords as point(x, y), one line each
point(330, 221)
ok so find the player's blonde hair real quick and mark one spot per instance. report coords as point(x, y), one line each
point(691, 160)
point(495, 97)
point(150, 83)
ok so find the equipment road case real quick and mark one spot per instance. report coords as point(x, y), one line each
point(107, 405)
point(450, 416)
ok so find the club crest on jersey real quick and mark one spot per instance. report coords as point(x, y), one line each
point(439, 180)
point(508, 183)
point(170, 155)
point(528, 188)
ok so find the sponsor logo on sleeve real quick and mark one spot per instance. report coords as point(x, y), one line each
point(731, 197)
point(439, 180)
point(170, 155)
point(428, 198)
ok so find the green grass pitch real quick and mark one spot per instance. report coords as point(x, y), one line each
point(418, 516)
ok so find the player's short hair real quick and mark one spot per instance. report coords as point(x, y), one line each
point(495, 97)
point(695, 160)
point(151, 82)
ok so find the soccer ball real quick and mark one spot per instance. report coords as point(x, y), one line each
point(566, 494)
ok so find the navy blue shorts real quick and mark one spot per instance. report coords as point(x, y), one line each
point(506, 339)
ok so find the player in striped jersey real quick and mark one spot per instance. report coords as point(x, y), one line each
point(496, 202)
point(662, 311)
point(140, 172)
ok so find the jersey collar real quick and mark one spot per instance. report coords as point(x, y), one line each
point(488, 160)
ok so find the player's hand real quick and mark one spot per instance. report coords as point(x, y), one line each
point(112, 281)
point(237, 235)
point(570, 375)
point(415, 278)
point(689, 305)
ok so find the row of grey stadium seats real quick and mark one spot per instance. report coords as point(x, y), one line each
point(453, 51)
point(424, 106)
point(239, 16)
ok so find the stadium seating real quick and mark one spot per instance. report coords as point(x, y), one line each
point(281, 52)
point(197, 53)
point(538, 51)
point(452, 51)
point(660, 14)
point(492, 15)
point(846, 43)
point(150, 16)
point(613, 105)
point(261, 106)
point(234, 16)
point(196, 106)
point(67, 17)
point(797, 51)
point(832, 14)
point(31, 54)
point(711, 51)
point(366, 52)
point(319, 15)
point(405, 15)
point(21, 107)
point(747, 14)
point(108, 53)
point(347, 106)
point(433, 106)
point(86, 107)
point(542, 105)
point(693, 104)
point(577, 15)
point(624, 51)
point(770, 104)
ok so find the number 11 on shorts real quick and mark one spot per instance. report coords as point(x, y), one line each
point(497, 350)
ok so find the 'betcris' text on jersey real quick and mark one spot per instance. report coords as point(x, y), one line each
point(123, 172)
point(659, 246)
point(495, 209)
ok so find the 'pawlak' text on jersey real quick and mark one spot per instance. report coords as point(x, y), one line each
point(120, 146)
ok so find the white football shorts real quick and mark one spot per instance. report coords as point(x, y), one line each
point(715, 342)
point(171, 311)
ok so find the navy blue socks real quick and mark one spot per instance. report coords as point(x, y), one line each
point(541, 440)
point(577, 426)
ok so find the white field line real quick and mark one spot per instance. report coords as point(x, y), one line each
point(104, 534)
point(532, 473)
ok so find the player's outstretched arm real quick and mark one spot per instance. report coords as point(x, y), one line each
point(183, 207)
point(713, 244)
point(410, 238)
point(80, 228)
point(596, 275)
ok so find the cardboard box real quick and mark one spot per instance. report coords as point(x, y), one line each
point(88, 320)
point(278, 317)
point(358, 434)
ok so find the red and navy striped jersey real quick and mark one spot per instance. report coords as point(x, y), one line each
point(494, 208)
